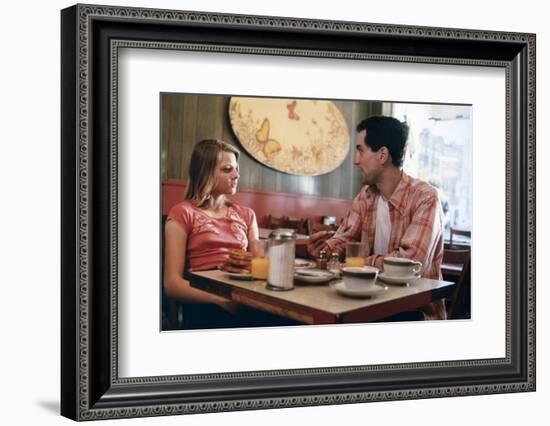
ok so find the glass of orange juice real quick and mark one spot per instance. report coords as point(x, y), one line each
point(259, 264)
point(355, 254)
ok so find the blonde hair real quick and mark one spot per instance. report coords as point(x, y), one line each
point(202, 176)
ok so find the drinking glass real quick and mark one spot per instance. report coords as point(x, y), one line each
point(259, 264)
point(355, 254)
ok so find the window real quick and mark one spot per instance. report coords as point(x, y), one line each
point(440, 152)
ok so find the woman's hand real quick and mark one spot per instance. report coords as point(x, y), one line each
point(229, 306)
point(239, 261)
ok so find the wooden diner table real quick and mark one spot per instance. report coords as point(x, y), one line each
point(320, 303)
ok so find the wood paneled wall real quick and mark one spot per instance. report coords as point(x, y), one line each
point(187, 119)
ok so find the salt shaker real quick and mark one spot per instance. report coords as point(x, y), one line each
point(282, 248)
point(334, 264)
point(322, 260)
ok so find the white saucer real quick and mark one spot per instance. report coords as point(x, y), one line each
point(242, 277)
point(340, 288)
point(397, 280)
point(313, 276)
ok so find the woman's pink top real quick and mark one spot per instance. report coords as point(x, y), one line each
point(209, 238)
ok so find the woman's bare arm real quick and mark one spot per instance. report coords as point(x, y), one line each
point(253, 233)
point(175, 286)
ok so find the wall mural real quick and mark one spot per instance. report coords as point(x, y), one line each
point(295, 136)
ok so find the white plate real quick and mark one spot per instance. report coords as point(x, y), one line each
point(340, 288)
point(304, 263)
point(313, 276)
point(397, 280)
point(242, 277)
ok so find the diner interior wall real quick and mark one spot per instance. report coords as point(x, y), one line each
point(188, 118)
point(30, 224)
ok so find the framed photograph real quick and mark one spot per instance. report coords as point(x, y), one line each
point(138, 82)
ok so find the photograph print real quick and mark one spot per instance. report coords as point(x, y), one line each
point(294, 212)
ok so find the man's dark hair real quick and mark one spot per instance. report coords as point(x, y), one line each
point(388, 132)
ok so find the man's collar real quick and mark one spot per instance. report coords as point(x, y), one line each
point(398, 198)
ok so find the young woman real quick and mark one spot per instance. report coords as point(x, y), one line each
point(201, 231)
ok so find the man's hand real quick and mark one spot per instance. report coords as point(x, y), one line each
point(317, 242)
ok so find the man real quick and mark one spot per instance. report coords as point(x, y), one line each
point(393, 214)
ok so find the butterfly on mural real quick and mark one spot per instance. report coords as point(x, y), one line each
point(270, 146)
point(291, 111)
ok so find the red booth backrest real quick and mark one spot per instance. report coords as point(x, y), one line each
point(266, 203)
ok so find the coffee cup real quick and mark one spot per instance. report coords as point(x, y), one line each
point(401, 267)
point(359, 278)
